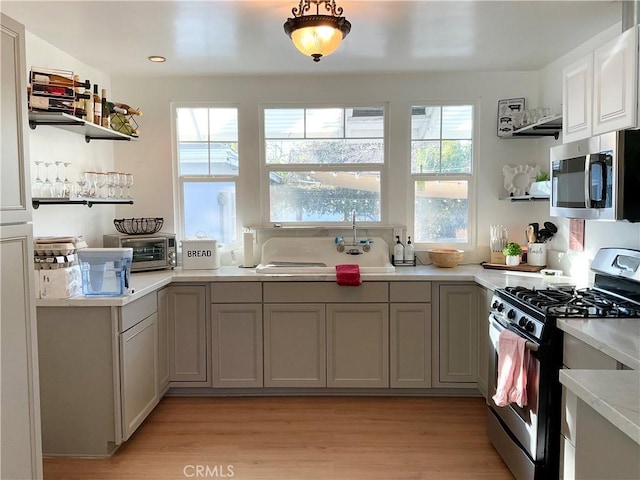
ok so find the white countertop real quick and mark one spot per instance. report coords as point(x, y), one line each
point(614, 394)
point(618, 338)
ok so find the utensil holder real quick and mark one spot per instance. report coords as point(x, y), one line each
point(498, 258)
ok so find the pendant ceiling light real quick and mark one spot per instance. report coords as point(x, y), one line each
point(317, 35)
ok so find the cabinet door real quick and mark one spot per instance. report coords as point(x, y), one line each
point(484, 306)
point(615, 101)
point(138, 349)
point(410, 345)
point(294, 345)
point(358, 345)
point(14, 168)
point(577, 99)
point(20, 400)
point(236, 353)
point(163, 340)
point(187, 333)
point(457, 310)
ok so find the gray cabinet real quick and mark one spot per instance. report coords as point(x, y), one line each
point(236, 354)
point(163, 340)
point(455, 329)
point(138, 350)
point(188, 335)
point(484, 306)
point(358, 345)
point(295, 345)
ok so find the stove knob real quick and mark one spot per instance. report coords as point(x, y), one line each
point(523, 321)
point(495, 304)
point(530, 327)
point(512, 314)
point(500, 307)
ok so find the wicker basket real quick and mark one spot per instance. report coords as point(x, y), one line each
point(138, 226)
point(445, 257)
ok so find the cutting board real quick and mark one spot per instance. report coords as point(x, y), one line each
point(523, 267)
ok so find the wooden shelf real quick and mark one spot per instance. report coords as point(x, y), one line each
point(91, 131)
point(36, 202)
point(547, 127)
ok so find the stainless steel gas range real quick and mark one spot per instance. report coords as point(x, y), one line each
point(527, 438)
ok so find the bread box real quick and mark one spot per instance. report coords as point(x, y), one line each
point(200, 254)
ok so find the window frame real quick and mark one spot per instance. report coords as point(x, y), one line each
point(180, 180)
point(471, 177)
point(381, 168)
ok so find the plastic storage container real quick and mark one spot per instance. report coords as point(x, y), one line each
point(105, 271)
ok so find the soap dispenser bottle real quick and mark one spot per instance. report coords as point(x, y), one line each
point(409, 253)
point(398, 251)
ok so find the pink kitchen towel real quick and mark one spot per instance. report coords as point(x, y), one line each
point(348, 274)
point(513, 362)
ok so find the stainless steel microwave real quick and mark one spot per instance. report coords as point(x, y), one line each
point(150, 252)
point(597, 178)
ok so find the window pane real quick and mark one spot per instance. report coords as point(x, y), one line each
point(441, 211)
point(324, 196)
point(456, 156)
point(425, 157)
point(201, 158)
point(367, 122)
point(192, 124)
point(284, 123)
point(325, 123)
point(210, 210)
point(223, 124)
point(457, 121)
point(341, 151)
point(425, 123)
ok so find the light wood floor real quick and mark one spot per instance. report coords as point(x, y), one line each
point(301, 438)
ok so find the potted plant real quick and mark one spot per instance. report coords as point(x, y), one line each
point(512, 252)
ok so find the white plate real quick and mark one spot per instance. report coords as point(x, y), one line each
point(518, 179)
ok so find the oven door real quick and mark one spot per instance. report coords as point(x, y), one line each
point(521, 423)
point(149, 253)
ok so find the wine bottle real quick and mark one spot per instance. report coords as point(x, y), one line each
point(113, 109)
point(78, 104)
point(130, 110)
point(105, 112)
point(97, 106)
point(54, 79)
point(52, 90)
point(88, 107)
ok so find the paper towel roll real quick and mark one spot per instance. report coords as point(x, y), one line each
point(248, 249)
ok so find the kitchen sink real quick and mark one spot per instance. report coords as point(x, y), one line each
point(319, 256)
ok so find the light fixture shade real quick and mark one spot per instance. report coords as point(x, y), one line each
point(317, 35)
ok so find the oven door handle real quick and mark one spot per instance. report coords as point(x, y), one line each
point(499, 327)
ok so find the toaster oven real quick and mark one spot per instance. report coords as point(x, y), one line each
point(150, 252)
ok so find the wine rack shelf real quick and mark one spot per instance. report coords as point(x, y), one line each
point(36, 202)
point(91, 131)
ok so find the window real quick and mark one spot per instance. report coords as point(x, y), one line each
point(207, 161)
point(442, 172)
point(323, 163)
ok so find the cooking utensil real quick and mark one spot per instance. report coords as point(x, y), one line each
point(544, 235)
point(531, 234)
point(551, 227)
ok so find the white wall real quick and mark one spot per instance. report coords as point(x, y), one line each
point(49, 144)
point(150, 158)
point(597, 233)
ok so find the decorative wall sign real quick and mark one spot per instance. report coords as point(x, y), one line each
point(510, 112)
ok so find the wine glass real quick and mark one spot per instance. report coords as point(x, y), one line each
point(82, 184)
point(129, 183)
point(58, 184)
point(122, 183)
point(92, 180)
point(100, 183)
point(38, 184)
point(47, 188)
point(112, 183)
point(67, 184)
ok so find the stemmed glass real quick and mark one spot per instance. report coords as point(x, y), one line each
point(38, 185)
point(47, 188)
point(129, 183)
point(67, 184)
point(92, 180)
point(82, 184)
point(101, 182)
point(112, 183)
point(58, 184)
point(122, 183)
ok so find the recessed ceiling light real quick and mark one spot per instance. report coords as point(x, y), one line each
point(157, 59)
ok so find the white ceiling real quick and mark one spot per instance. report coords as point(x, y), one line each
point(247, 37)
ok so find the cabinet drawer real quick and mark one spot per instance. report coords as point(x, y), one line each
point(236, 292)
point(410, 292)
point(138, 311)
point(324, 292)
point(577, 354)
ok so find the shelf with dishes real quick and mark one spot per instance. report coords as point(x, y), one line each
point(550, 126)
point(90, 130)
point(89, 202)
